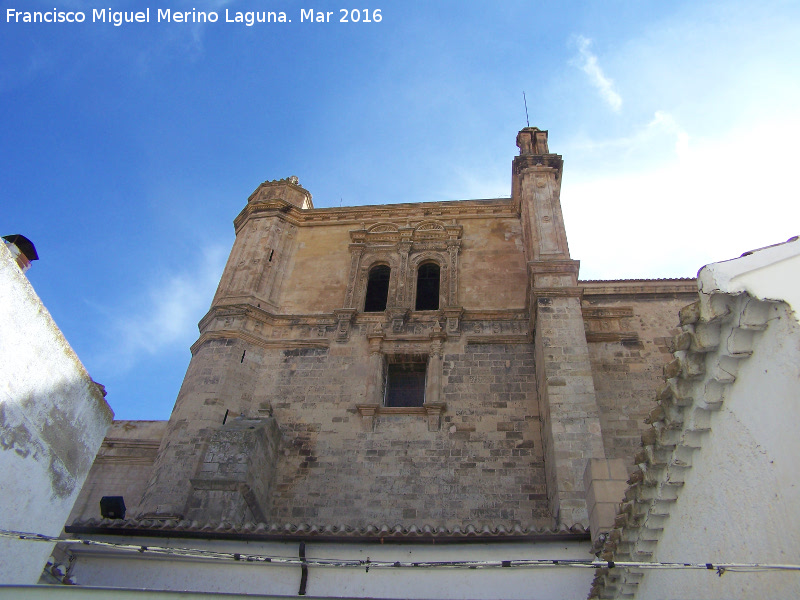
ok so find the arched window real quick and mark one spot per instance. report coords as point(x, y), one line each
point(428, 287)
point(377, 289)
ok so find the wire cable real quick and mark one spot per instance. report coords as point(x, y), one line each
point(528, 563)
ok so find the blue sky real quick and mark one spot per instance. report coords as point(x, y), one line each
point(127, 151)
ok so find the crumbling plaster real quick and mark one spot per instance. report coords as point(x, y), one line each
point(52, 420)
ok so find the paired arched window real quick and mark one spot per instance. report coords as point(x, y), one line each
point(428, 287)
point(377, 289)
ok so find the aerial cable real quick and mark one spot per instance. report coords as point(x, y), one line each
point(526, 563)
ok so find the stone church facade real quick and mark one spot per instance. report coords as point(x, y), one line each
point(430, 369)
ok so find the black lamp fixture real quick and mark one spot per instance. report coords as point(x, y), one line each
point(112, 507)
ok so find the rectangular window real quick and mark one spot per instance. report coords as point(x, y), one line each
point(405, 384)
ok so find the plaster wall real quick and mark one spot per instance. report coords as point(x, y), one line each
point(123, 570)
point(52, 420)
point(739, 502)
point(765, 273)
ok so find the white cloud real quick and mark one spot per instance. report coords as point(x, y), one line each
point(165, 315)
point(598, 79)
point(473, 185)
point(661, 135)
point(665, 122)
point(717, 197)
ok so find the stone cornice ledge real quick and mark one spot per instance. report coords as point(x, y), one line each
point(433, 411)
point(283, 343)
point(459, 209)
point(640, 287)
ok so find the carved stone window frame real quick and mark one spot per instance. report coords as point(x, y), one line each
point(384, 351)
point(404, 248)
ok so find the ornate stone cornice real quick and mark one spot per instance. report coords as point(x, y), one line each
point(500, 314)
point(538, 162)
point(499, 339)
point(661, 288)
point(433, 411)
point(374, 214)
point(612, 336)
point(283, 343)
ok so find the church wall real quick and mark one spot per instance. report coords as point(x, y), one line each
point(288, 348)
point(122, 467)
point(491, 273)
point(628, 346)
point(317, 271)
point(492, 269)
point(483, 464)
point(219, 379)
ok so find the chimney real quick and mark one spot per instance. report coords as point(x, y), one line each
point(22, 249)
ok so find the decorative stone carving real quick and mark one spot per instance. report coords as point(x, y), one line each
point(344, 319)
point(453, 317)
point(434, 413)
point(383, 228)
point(532, 141)
point(404, 248)
point(397, 317)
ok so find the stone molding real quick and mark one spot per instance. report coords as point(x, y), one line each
point(359, 215)
point(556, 292)
point(481, 326)
point(263, 343)
point(640, 288)
point(128, 451)
point(499, 339)
point(556, 266)
point(606, 312)
point(612, 336)
point(267, 329)
point(433, 411)
point(605, 324)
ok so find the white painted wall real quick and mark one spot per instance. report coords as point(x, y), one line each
point(772, 273)
point(143, 571)
point(741, 499)
point(52, 421)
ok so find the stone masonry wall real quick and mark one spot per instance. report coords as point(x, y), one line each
point(122, 467)
point(571, 424)
point(628, 372)
point(484, 466)
point(219, 378)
